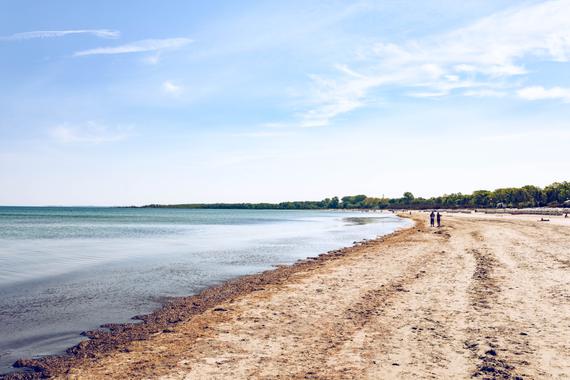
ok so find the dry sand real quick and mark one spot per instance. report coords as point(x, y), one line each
point(483, 296)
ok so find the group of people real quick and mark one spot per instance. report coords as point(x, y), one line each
point(432, 218)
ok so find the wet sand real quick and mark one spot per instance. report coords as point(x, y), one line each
point(483, 296)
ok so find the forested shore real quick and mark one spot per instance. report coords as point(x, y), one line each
point(554, 195)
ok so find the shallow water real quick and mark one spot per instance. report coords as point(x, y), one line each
point(67, 270)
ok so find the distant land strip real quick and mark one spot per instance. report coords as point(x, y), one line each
point(556, 194)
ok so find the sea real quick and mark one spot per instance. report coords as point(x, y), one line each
point(64, 270)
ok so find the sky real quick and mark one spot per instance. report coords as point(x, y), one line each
point(131, 103)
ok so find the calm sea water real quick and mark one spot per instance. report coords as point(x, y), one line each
point(67, 270)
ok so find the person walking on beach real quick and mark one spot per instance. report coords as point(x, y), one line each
point(432, 218)
point(438, 219)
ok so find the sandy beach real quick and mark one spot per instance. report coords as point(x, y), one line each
point(248, 190)
point(483, 296)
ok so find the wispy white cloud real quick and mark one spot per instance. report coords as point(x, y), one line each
point(276, 125)
point(264, 134)
point(90, 133)
point(102, 33)
point(139, 47)
point(332, 97)
point(541, 93)
point(152, 59)
point(551, 134)
point(485, 93)
point(482, 59)
point(170, 88)
point(493, 45)
point(432, 94)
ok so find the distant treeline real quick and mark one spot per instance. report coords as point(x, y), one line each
point(554, 195)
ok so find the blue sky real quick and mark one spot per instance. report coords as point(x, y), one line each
point(114, 103)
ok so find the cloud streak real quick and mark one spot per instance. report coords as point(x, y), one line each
point(89, 133)
point(171, 88)
point(481, 59)
point(138, 47)
point(43, 34)
point(541, 93)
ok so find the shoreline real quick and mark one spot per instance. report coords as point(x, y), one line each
point(114, 337)
point(480, 297)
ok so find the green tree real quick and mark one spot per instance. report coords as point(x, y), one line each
point(353, 201)
point(408, 197)
point(334, 202)
point(481, 198)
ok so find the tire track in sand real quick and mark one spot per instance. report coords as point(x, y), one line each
point(369, 307)
point(484, 297)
